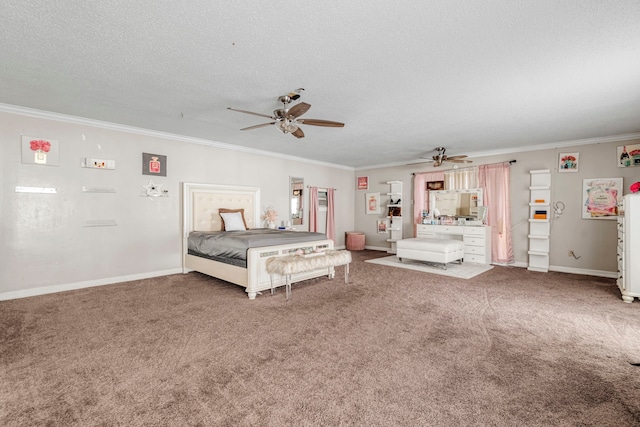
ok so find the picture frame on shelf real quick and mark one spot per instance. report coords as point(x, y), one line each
point(568, 162)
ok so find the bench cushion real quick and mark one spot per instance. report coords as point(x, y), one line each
point(431, 244)
point(430, 249)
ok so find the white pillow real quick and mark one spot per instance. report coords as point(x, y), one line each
point(232, 221)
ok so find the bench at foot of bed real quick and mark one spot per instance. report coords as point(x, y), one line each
point(288, 265)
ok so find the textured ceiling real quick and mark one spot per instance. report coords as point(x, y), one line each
point(405, 77)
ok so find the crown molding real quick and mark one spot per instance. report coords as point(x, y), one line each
point(512, 150)
point(48, 115)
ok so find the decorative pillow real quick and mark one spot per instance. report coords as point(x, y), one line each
point(237, 219)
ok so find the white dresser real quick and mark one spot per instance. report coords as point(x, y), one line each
point(629, 248)
point(476, 238)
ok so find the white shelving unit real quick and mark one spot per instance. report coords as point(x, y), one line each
point(395, 221)
point(539, 228)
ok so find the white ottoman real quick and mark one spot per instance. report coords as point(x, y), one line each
point(431, 250)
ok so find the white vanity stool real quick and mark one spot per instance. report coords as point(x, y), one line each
point(431, 250)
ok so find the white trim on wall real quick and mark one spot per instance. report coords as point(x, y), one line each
point(86, 284)
point(513, 150)
point(40, 114)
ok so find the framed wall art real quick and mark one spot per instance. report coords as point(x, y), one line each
point(600, 197)
point(372, 203)
point(568, 162)
point(628, 155)
point(40, 151)
point(363, 182)
point(383, 226)
point(154, 164)
point(435, 185)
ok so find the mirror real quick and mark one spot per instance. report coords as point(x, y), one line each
point(296, 207)
point(458, 203)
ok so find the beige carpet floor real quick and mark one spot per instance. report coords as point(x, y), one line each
point(394, 347)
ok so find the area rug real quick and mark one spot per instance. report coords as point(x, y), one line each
point(466, 270)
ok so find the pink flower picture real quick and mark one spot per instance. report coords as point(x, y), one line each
point(40, 145)
point(40, 151)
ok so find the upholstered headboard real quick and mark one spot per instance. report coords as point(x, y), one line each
point(201, 203)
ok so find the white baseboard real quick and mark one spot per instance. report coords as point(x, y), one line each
point(377, 248)
point(86, 284)
point(583, 271)
point(558, 268)
point(119, 279)
point(571, 270)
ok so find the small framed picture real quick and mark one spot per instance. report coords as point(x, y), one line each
point(568, 162)
point(382, 226)
point(39, 151)
point(372, 203)
point(628, 155)
point(435, 185)
point(600, 198)
point(363, 183)
point(154, 164)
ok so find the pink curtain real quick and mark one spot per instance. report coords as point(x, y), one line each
point(420, 201)
point(331, 221)
point(313, 209)
point(494, 180)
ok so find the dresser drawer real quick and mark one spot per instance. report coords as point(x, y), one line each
point(476, 231)
point(478, 259)
point(422, 233)
point(473, 241)
point(474, 250)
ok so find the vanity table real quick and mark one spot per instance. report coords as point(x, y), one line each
point(467, 204)
point(476, 238)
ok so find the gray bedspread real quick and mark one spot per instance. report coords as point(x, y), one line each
point(231, 246)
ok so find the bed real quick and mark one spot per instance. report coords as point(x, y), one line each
point(201, 215)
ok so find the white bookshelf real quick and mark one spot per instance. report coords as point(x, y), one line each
point(394, 202)
point(539, 228)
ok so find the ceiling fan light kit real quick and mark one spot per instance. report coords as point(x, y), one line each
point(286, 120)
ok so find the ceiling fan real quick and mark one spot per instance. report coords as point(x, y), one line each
point(288, 120)
point(441, 157)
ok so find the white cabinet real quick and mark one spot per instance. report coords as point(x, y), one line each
point(394, 214)
point(539, 215)
point(629, 248)
point(477, 239)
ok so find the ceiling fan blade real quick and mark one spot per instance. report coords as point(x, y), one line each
point(316, 122)
point(458, 161)
point(251, 112)
point(298, 110)
point(298, 133)
point(259, 126)
point(456, 157)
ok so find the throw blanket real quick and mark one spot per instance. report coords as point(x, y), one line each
point(234, 244)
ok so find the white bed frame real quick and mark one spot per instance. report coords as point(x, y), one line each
point(200, 213)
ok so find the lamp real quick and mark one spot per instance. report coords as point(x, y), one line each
point(286, 126)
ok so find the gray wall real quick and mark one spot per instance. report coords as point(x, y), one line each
point(43, 242)
point(594, 241)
